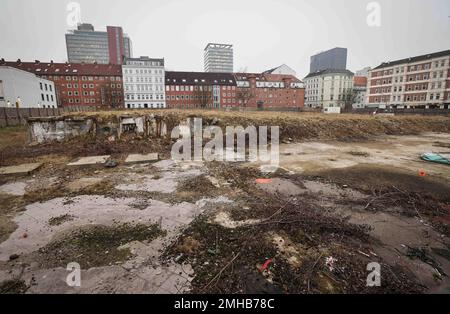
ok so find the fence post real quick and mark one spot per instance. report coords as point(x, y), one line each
point(6, 116)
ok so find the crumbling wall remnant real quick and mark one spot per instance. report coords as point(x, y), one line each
point(49, 129)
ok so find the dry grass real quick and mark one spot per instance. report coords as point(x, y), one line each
point(301, 125)
point(14, 135)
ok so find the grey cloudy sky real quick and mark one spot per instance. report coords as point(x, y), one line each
point(265, 33)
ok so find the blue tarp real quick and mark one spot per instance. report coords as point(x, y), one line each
point(438, 158)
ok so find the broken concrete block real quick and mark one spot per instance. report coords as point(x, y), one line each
point(138, 158)
point(49, 129)
point(93, 160)
point(20, 169)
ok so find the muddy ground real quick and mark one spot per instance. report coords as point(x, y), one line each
point(313, 226)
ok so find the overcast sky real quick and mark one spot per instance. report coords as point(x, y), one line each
point(265, 33)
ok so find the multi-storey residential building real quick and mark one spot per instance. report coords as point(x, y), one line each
point(25, 90)
point(79, 84)
point(218, 58)
point(199, 89)
point(417, 82)
point(226, 90)
point(87, 45)
point(335, 58)
point(269, 91)
point(359, 91)
point(329, 88)
point(143, 80)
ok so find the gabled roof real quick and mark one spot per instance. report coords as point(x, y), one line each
point(414, 59)
point(270, 71)
point(50, 68)
point(266, 77)
point(329, 71)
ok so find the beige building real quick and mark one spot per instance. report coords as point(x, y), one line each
point(328, 88)
point(417, 82)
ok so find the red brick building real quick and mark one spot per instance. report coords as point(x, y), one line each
point(269, 91)
point(416, 82)
point(226, 90)
point(80, 84)
point(199, 90)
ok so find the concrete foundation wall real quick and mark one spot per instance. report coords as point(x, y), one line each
point(59, 129)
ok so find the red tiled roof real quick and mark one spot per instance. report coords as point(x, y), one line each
point(49, 68)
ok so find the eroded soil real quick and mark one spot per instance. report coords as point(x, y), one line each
point(311, 227)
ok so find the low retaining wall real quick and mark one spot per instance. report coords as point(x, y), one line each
point(48, 129)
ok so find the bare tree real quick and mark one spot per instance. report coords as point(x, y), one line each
point(244, 95)
point(349, 99)
point(204, 95)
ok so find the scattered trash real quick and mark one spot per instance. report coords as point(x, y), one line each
point(177, 259)
point(266, 264)
point(263, 181)
point(111, 164)
point(442, 158)
point(329, 262)
point(422, 173)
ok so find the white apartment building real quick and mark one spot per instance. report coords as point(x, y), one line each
point(25, 89)
point(328, 88)
point(143, 81)
point(417, 82)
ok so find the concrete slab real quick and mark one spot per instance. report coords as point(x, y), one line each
point(15, 188)
point(139, 158)
point(20, 169)
point(93, 160)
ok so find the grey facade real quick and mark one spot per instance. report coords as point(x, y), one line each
point(218, 58)
point(335, 58)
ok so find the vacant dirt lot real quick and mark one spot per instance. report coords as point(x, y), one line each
point(350, 190)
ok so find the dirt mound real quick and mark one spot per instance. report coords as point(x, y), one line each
point(369, 178)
